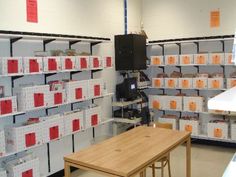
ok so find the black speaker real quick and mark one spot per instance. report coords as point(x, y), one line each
point(130, 52)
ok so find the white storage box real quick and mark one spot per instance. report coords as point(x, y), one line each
point(95, 62)
point(158, 82)
point(3, 173)
point(73, 122)
point(76, 91)
point(11, 65)
point(231, 82)
point(51, 64)
point(190, 126)
point(107, 62)
point(22, 137)
point(57, 97)
point(82, 62)
point(172, 121)
point(35, 97)
point(217, 130)
point(33, 65)
point(200, 82)
point(67, 63)
point(24, 167)
point(172, 59)
point(95, 88)
point(186, 59)
point(201, 59)
point(171, 82)
point(216, 83)
point(229, 59)
point(173, 103)
point(216, 58)
point(8, 105)
point(52, 128)
point(157, 60)
point(92, 116)
point(186, 83)
point(157, 102)
point(2, 143)
point(233, 131)
point(193, 104)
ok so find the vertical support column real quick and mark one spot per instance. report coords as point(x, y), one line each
point(126, 16)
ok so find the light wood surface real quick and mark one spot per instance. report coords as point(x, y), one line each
point(129, 153)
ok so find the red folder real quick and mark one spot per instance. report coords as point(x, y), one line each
point(30, 139)
point(6, 106)
point(95, 62)
point(83, 63)
point(108, 61)
point(33, 66)
point(54, 132)
point(57, 98)
point(76, 125)
point(28, 173)
point(52, 64)
point(12, 66)
point(78, 93)
point(38, 99)
point(68, 63)
point(97, 90)
point(94, 119)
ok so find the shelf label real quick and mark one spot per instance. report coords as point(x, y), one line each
point(215, 19)
point(32, 11)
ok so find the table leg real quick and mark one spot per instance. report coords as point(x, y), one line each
point(67, 169)
point(188, 157)
point(153, 170)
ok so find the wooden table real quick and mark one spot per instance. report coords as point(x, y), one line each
point(130, 153)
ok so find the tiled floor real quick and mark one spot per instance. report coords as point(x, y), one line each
point(207, 161)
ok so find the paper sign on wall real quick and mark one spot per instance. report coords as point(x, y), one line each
point(32, 11)
point(215, 19)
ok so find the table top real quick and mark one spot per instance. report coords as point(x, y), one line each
point(127, 153)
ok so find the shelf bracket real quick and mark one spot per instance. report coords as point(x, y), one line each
point(198, 46)
point(12, 41)
point(162, 48)
point(180, 49)
point(45, 42)
point(73, 42)
point(93, 44)
point(223, 46)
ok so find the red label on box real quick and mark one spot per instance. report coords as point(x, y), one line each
point(108, 59)
point(57, 98)
point(30, 139)
point(78, 93)
point(83, 63)
point(54, 132)
point(95, 62)
point(12, 66)
point(32, 11)
point(52, 64)
point(76, 125)
point(6, 106)
point(38, 99)
point(97, 90)
point(28, 173)
point(33, 66)
point(68, 63)
point(94, 119)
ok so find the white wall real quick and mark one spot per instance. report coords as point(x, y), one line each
point(169, 19)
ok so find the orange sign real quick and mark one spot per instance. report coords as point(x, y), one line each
point(188, 128)
point(156, 105)
point(215, 19)
point(173, 104)
point(218, 132)
point(157, 83)
point(156, 61)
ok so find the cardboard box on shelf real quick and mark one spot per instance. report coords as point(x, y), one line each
point(216, 83)
point(57, 97)
point(92, 116)
point(172, 59)
point(229, 59)
point(200, 82)
point(217, 130)
point(33, 65)
point(186, 59)
point(11, 66)
point(73, 121)
point(157, 60)
point(95, 88)
point(193, 103)
point(8, 105)
point(172, 121)
point(67, 63)
point(171, 82)
point(231, 82)
point(173, 103)
point(82, 62)
point(190, 125)
point(216, 58)
point(201, 59)
point(186, 83)
point(158, 82)
point(51, 64)
point(157, 102)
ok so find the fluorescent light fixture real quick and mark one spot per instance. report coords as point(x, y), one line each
point(225, 101)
